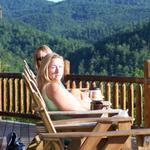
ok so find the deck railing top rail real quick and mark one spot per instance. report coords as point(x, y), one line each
point(10, 75)
point(104, 78)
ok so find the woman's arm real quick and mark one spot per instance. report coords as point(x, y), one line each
point(63, 99)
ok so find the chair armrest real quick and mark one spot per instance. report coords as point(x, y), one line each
point(90, 112)
point(112, 120)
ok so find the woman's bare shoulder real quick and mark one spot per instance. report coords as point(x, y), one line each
point(54, 86)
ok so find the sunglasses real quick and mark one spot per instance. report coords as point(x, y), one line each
point(39, 58)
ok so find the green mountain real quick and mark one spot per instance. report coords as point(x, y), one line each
point(19, 41)
point(109, 37)
point(90, 20)
point(122, 54)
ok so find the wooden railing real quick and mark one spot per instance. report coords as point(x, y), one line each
point(14, 95)
point(130, 93)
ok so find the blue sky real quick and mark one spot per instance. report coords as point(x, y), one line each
point(55, 0)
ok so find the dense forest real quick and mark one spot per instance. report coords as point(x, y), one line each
point(89, 20)
point(109, 37)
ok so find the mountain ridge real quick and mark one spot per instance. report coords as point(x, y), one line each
point(68, 17)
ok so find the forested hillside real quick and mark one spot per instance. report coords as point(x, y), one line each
point(109, 37)
point(19, 41)
point(91, 20)
point(16, 43)
point(122, 54)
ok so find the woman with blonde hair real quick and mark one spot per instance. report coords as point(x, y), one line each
point(49, 83)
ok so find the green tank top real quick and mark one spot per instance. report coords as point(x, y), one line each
point(52, 107)
point(49, 104)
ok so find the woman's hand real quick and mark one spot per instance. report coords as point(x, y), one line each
point(82, 96)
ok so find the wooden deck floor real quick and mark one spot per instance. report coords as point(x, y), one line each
point(26, 131)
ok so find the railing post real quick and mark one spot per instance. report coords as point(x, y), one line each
point(66, 72)
point(147, 94)
point(66, 67)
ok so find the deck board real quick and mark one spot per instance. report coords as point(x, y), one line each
point(26, 131)
point(2, 128)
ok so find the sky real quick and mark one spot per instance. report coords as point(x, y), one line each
point(55, 0)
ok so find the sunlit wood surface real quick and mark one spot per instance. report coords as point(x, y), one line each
point(26, 131)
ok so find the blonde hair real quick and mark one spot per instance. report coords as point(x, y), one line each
point(43, 48)
point(43, 72)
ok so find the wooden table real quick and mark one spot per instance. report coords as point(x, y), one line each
point(101, 135)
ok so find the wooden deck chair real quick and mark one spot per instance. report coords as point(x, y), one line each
point(30, 72)
point(95, 124)
point(42, 108)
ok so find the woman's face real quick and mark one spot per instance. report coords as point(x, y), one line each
point(40, 55)
point(56, 69)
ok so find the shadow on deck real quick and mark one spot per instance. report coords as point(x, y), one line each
point(26, 131)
